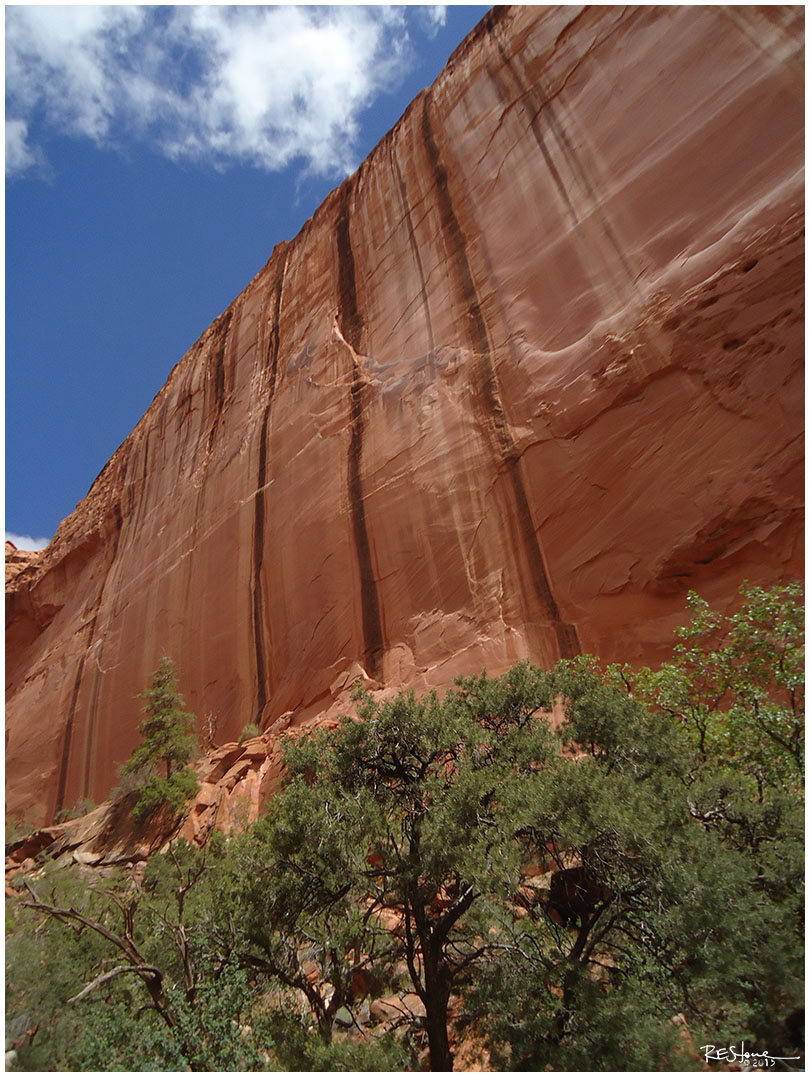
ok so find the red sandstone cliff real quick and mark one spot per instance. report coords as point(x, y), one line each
point(526, 377)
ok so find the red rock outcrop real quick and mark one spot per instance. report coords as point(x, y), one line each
point(17, 560)
point(529, 374)
point(235, 781)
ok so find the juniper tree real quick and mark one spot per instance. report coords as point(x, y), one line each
point(673, 824)
point(404, 818)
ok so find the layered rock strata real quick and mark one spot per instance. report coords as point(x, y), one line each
point(528, 375)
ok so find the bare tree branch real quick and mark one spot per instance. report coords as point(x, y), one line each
point(152, 977)
point(117, 971)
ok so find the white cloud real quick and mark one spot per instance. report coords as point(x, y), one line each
point(25, 542)
point(63, 60)
point(258, 85)
point(432, 17)
point(19, 155)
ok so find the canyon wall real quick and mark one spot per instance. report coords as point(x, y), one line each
point(526, 377)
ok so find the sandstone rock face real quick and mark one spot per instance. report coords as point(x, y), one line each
point(17, 560)
point(235, 781)
point(523, 379)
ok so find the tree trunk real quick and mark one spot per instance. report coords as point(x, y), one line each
point(441, 1060)
point(434, 986)
point(325, 1025)
point(436, 998)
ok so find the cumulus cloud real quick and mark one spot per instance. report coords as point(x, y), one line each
point(257, 85)
point(26, 542)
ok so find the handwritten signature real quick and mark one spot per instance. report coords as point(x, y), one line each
point(754, 1059)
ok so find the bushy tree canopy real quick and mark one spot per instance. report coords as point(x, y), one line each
point(581, 868)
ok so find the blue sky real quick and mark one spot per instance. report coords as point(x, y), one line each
point(154, 157)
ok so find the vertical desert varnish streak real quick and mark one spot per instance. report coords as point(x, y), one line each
point(351, 326)
point(258, 518)
point(67, 740)
point(504, 442)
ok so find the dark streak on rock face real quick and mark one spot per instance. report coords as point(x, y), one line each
point(145, 473)
point(352, 330)
point(351, 322)
point(221, 328)
point(258, 557)
point(92, 723)
point(406, 210)
point(496, 14)
point(539, 102)
point(633, 520)
point(68, 737)
point(258, 518)
point(488, 389)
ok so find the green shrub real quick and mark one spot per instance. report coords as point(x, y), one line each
point(83, 806)
point(250, 730)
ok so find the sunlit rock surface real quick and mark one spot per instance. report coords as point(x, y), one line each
point(525, 378)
